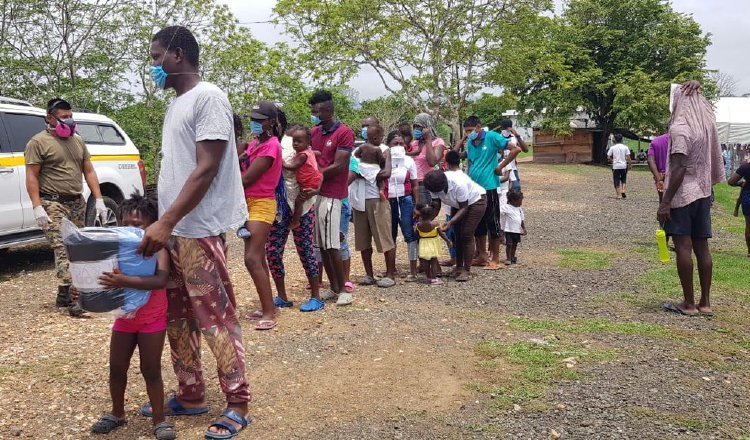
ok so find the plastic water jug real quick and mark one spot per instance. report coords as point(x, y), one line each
point(661, 243)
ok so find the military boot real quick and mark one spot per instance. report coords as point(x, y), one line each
point(63, 297)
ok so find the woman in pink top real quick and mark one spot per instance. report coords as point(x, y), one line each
point(260, 176)
point(426, 150)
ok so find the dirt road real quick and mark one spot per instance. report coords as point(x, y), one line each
point(571, 342)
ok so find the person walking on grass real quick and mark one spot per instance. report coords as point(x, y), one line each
point(55, 161)
point(619, 156)
point(741, 178)
point(146, 330)
point(694, 165)
point(333, 142)
point(200, 199)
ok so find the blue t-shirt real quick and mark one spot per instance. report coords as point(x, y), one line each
point(483, 159)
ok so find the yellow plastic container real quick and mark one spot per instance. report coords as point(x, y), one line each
point(661, 243)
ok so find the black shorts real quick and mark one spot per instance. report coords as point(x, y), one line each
point(490, 223)
point(693, 220)
point(512, 238)
point(620, 176)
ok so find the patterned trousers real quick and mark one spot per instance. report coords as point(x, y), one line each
point(73, 210)
point(201, 302)
point(303, 240)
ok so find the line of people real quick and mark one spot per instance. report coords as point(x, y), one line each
point(310, 182)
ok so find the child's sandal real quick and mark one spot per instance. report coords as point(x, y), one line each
point(106, 424)
point(165, 431)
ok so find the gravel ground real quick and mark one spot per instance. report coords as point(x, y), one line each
point(399, 363)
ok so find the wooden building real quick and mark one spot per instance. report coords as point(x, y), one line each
point(576, 148)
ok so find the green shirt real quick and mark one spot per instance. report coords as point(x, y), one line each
point(483, 159)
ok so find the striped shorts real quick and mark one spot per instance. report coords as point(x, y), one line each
point(328, 223)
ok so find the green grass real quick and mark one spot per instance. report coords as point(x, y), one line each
point(585, 260)
point(530, 153)
point(537, 367)
point(691, 423)
point(730, 273)
point(589, 326)
point(726, 196)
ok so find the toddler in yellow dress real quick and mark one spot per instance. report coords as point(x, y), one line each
point(429, 233)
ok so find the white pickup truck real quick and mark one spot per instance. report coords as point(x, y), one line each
point(116, 160)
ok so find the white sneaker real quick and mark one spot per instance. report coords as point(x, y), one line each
point(345, 299)
point(327, 294)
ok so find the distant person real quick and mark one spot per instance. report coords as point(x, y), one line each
point(426, 150)
point(56, 159)
point(741, 178)
point(514, 223)
point(508, 132)
point(727, 156)
point(693, 167)
point(619, 155)
point(657, 161)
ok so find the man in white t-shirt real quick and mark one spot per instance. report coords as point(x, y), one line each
point(200, 198)
point(619, 155)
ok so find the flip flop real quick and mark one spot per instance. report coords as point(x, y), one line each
point(174, 409)
point(706, 314)
point(492, 266)
point(255, 316)
point(233, 416)
point(349, 287)
point(671, 308)
point(463, 277)
point(478, 263)
point(165, 431)
point(265, 324)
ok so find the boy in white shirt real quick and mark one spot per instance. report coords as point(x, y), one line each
point(619, 155)
point(515, 227)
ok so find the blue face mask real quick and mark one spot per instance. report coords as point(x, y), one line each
point(159, 76)
point(473, 136)
point(256, 128)
point(417, 134)
point(315, 120)
point(364, 133)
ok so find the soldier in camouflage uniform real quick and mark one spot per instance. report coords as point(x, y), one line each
point(55, 160)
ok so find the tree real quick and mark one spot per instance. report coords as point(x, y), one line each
point(73, 48)
point(613, 59)
point(726, 85)
point(490, 108)
point(389, 110)
point(431, 54)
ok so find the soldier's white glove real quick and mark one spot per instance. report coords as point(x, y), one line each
point(101, 210)
point(42, 219)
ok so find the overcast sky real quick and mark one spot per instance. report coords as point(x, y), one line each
point(727, 20)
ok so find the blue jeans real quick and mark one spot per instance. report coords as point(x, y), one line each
point(346, 215)
point(402, 211)
point(451, 234)
point(516, 186)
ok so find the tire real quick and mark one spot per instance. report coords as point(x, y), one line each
point(93, 220)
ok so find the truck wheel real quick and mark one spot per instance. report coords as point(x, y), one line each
point(93, 220)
